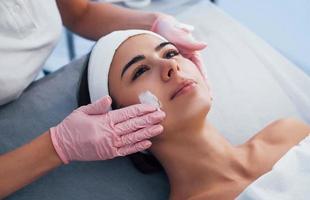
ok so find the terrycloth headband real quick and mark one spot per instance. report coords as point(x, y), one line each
point(101, 58)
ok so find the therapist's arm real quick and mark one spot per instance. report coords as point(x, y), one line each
point(93, 19)
point(24, 165)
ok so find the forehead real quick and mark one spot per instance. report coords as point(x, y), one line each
point(136, 45)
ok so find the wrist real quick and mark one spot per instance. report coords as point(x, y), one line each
point(52, 154)
point(159, 16)
point(43, 156)
point(57, 147)
point(149, 19)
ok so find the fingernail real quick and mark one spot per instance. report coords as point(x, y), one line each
point(147, 144)
point(160, 114)
point(108, 98)
point(188, 27)
point(149, 107)
point(157, 128)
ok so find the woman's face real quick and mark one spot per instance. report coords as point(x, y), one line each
point(145, 62)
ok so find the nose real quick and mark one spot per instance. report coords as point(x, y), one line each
point(169, 68)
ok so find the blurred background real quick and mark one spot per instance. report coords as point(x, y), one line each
point(285, 24)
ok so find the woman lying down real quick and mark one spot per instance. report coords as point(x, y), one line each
point(134, 66)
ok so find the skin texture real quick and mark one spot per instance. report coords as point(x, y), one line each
point(27, 163)
point(199, 161)
point(163, 69)
point(93, 19)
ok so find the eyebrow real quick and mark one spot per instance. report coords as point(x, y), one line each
point(142, 57)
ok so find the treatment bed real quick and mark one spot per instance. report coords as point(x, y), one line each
point(252, 85)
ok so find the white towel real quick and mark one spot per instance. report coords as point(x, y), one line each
point(289, 178)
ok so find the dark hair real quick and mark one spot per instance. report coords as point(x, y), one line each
point(144, 162)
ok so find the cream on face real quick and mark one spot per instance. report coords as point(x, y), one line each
point(149, 98)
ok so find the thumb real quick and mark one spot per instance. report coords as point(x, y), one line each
point(100, 106)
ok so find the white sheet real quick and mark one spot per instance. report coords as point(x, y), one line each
point(252, 83)
point(289, 178)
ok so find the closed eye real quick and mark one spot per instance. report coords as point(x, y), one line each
point(139, 71)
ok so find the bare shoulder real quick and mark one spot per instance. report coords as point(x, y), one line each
point(285, 130)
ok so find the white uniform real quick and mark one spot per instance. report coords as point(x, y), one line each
point(29, 30)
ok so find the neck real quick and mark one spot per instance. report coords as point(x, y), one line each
point(196, 158)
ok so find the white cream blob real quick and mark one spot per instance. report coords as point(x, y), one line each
point(149, 98)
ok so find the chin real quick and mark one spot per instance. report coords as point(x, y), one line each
point(197, 111)
point(193, 112)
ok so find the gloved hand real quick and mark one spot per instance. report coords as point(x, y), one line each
point(179, 34)
point(93, 133)
point(199, 63)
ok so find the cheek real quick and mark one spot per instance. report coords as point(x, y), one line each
point(129, 94)
point(192, 71)
point(189, 112)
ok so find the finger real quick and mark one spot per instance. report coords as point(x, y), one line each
point(140, 135)
point(186, 42)
point(129, 149)
point(134, 124)
point(100, 106)
point(196, 59)
point(197, 62)
point(129, 112)
point(186, 27)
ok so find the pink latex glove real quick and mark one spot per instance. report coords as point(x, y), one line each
point(93, 133)
point(179, 34)
point(199, 63)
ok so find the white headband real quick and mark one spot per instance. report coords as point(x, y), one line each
point(101, 58)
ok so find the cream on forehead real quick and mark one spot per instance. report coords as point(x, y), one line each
point(149, 98)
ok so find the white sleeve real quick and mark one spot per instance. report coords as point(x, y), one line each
point(29, 31)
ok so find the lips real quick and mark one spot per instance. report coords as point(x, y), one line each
point(182, 85)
